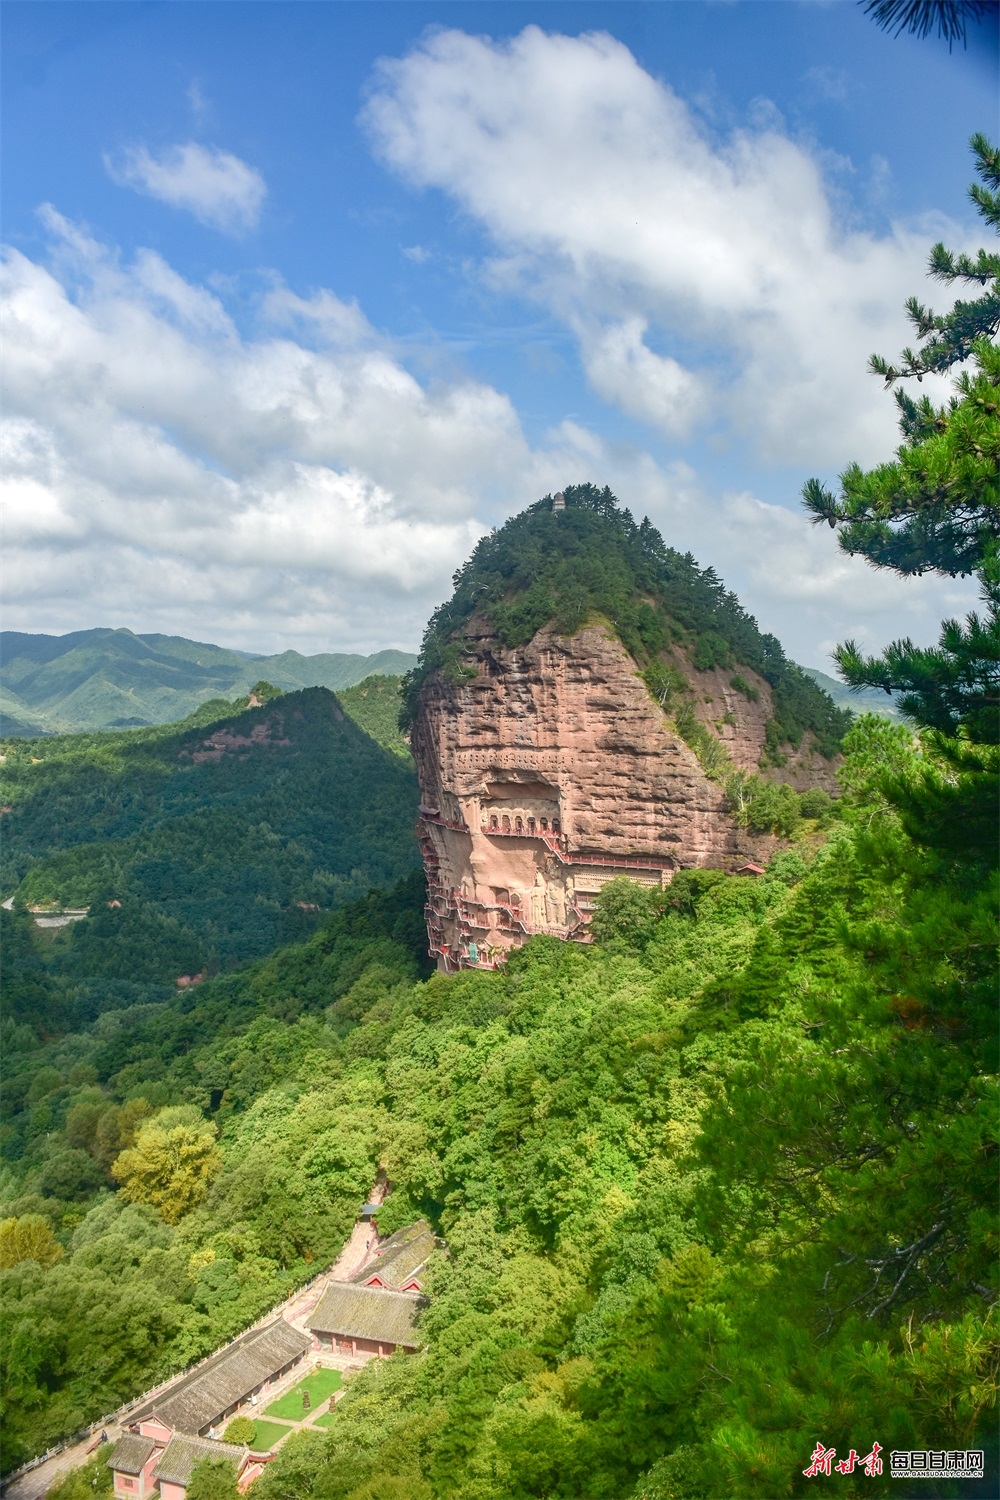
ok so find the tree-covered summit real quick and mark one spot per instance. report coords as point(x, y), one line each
point(594, 558)
point(200, 845)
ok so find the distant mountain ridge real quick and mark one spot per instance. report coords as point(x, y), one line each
point(862, 701)
point(203, 843)
point(115, 679)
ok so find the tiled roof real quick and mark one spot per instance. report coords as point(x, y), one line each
point(363, 1312)
point(130, 1453)
point(213, 1388)
point(403, 1236)
point(395, 1265)
point(182, 1453)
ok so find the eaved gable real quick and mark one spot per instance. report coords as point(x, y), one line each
point(173, 1472)
point(132, 1462)
point(399, 1260)
point(366, 1320)
point(143, 1468)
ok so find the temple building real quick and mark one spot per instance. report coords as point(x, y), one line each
point(366, 1320)
point(144, 1466)
point(399, 1260)
point(200, 1404)
point(171, 1432)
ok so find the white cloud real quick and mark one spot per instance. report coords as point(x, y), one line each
point(300, 487)
point(826, 83)
point(606, 199)
point(218, 188)
point(163, 471)
point(628, 374)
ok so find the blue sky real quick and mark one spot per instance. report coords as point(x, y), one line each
point(304, 298)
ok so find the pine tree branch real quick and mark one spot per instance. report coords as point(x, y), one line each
point(987, 159)
point(919, 17)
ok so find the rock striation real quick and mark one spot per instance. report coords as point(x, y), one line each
point(548, 769)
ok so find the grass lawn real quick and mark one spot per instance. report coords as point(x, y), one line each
point(325, 1420)
point(320, 1384)
point(266, 1434)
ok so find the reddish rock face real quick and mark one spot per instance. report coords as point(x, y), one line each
point(551, 770)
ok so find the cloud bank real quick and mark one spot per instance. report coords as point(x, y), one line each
point(297, 486)
point(289, 481)
point(218, 188)
point(711, 282)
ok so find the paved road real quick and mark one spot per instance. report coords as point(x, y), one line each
point(33, 1485)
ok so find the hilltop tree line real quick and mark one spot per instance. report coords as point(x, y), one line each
point(716, 1182)
point(201, 846)
point(593, 558)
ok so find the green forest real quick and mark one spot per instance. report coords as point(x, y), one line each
point(716, 1189)
point(200, 846)
point(115, 679)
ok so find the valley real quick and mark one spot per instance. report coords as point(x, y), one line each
point(195, 848)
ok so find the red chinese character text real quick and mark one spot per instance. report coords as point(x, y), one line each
point(821, 1461)
point(872, 1462)
point(846, 1465)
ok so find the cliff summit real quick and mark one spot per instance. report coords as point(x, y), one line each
point(584, 707)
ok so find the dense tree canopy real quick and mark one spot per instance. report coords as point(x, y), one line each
point(593, 558)
point(171, 1164)
point(713, 1188)
point(213, 1479)
point(196, 847)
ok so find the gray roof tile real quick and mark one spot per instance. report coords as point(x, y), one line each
point(396, 1264)
point(403, 1236)
point(182, 1453)
point(201, 1398)
point(363, 1312)
point(130, 1453)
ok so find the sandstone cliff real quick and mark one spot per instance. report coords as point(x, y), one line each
point(550, 769)
point(740, 721)
point(550, 763)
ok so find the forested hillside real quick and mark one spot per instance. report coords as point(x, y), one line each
point(593, 558)
point(714, 1189)
point(198, 846)
point(375, 704)
point(718, 1190)
point(105, 679)
point(114, 1267)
